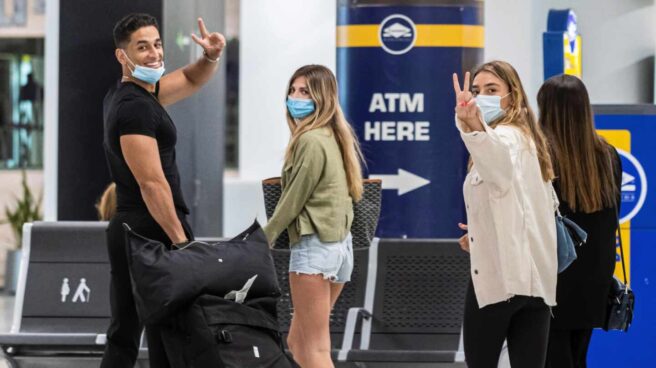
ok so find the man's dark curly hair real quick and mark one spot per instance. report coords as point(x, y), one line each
point(129, 24)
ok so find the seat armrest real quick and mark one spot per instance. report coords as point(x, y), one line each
point(52, 339)
point(352, 318)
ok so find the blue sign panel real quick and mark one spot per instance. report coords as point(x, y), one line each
point(561, 44)
point(394, 67)
point(632, 130)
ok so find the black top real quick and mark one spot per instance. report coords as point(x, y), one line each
point(130, 109)
point(583, 287)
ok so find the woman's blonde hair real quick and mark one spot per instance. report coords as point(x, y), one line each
point(519, 113)
point(106, 206)
point(322, 86)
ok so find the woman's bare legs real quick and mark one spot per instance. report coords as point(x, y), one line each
point(309, 335)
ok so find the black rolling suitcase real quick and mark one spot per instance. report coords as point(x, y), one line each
point(183, 292)
point(218, 333)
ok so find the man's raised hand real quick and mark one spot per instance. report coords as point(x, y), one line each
point(213, 43)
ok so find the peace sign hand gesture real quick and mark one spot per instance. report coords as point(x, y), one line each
point(213, 43)
point(466, 109)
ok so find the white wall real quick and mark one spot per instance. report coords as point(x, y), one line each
point(619, 39)
point(619, 42)
point(276, 38)
point(513, 33)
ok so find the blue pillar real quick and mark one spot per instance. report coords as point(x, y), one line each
point(394, 68)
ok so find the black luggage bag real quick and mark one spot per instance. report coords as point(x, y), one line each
point(164, 281)
point(217, 333)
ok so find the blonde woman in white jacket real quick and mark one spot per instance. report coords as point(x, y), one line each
point(511, 229)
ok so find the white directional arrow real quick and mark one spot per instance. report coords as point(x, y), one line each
point(628, 183)
point(404, 181)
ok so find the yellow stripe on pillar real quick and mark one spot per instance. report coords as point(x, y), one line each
point(450, 35)
point(361, 35)
point(428, 35)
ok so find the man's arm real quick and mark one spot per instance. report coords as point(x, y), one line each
point(142, 156)
point(185, 81)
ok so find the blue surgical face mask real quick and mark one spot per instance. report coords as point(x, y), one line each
point(145, 74)
point(300, 107)
point(490, 107)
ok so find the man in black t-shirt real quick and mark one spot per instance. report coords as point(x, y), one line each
point(139, 144)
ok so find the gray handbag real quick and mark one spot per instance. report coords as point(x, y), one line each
point(568, 236)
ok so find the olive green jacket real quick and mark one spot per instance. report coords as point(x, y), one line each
point(315, 198)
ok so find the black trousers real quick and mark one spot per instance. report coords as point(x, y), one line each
point(523, 321)
point(568, 348)
point(123, 334)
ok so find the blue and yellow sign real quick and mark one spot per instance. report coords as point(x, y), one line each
point(621, 140)
point(561, 44)
point(632, 131)
point(394, 67)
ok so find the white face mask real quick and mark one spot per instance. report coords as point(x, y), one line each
point(490, 107)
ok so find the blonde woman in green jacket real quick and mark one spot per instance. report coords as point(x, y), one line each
point(321, 178)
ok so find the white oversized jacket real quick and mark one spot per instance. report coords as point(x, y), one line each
point(510, 214)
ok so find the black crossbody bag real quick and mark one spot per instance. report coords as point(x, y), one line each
point(619, 310)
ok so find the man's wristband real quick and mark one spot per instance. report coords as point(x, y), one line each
point(208, 58)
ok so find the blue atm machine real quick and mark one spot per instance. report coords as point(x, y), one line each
point(395, 60)
point(631, 129)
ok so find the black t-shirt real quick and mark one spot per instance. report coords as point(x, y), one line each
point(130, 109)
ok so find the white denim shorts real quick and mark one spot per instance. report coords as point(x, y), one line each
point(311, 256)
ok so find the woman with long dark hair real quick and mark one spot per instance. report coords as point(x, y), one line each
point(588, 181)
